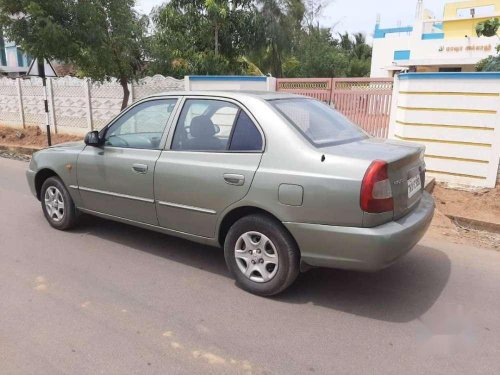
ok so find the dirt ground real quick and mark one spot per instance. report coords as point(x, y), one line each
point(481, 205)
point(32, 136)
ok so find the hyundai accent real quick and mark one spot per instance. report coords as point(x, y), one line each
point(282, 182)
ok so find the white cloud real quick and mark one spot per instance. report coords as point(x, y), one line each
point(145, 6)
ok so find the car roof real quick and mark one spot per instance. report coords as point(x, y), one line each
point(264, 95)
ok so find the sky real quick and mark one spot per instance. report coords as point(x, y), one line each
point(356, 15)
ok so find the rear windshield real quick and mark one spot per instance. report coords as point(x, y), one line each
point(320, 124)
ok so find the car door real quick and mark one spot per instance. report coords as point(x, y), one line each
point(214, 153)
point(117, 178)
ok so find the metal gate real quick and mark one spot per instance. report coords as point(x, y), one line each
point(365, 101)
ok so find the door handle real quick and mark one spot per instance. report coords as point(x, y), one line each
point(234, 179)
point(140, 168)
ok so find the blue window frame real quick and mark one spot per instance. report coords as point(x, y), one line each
point(21, 61)
point(3, 56)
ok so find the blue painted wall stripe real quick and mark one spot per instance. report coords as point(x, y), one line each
point(432, 36)
point(380, 33)
point(464, 75)
point(402, 55)
point(228, 78)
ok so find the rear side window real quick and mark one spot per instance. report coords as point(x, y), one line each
point(246, 136)
point(215, 125)
point(318, 123)
point(205, 125)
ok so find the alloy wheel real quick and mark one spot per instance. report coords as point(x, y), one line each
point(54, 204)
point(256, 257)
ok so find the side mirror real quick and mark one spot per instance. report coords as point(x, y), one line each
point(92, 138)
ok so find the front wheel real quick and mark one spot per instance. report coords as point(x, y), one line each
point(261, 255)
point(57, 205)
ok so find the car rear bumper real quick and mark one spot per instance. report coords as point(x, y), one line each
point(363, 249)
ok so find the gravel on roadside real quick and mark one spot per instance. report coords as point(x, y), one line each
point(14, 155)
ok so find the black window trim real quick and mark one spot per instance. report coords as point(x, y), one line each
point(233, 127)
point(230, 143)
point(241, 107)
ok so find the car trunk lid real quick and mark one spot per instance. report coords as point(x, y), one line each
point(407, 176)
point(405, 166)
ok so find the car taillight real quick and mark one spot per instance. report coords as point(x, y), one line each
point(376, 193)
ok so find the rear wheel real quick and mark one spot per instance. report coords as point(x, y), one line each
point(57, 205)
point(261, 255)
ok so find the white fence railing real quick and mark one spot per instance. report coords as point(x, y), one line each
point(75, 105)
point(79, 105)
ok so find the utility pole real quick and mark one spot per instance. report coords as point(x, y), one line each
point(41, 72)
point(37, 69)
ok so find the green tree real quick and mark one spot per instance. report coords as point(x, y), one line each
point(217, 12)
point(318, 56)
point(41, 28)
point(280, 25)
point(489, 64)
point(314, 52)
point(358, 51)
point(489, 28)
point(104, 39)
point(314, 10)
point(344, 41)
point(360, 57)
point(181, 44)
point(279, 37)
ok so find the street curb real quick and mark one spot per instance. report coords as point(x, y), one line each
point(475, 224)
point(19, 149)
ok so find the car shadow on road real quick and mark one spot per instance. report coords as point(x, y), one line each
point(400, 293)
point(168, 247)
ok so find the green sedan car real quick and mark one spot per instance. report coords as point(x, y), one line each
point(282, 182)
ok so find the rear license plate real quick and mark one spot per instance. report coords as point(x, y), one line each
point(414, 185)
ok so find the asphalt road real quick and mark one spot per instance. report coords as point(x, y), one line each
point(110, 298)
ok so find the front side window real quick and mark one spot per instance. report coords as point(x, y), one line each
point(318, 123)
point(142, 126)
point(215, 125)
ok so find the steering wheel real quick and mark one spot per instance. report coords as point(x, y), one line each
point(121, 142)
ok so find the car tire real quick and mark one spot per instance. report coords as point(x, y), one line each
point(261, 255)
point(57, 204)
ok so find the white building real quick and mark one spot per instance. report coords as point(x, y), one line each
point(13, 61)
point(448, 44)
